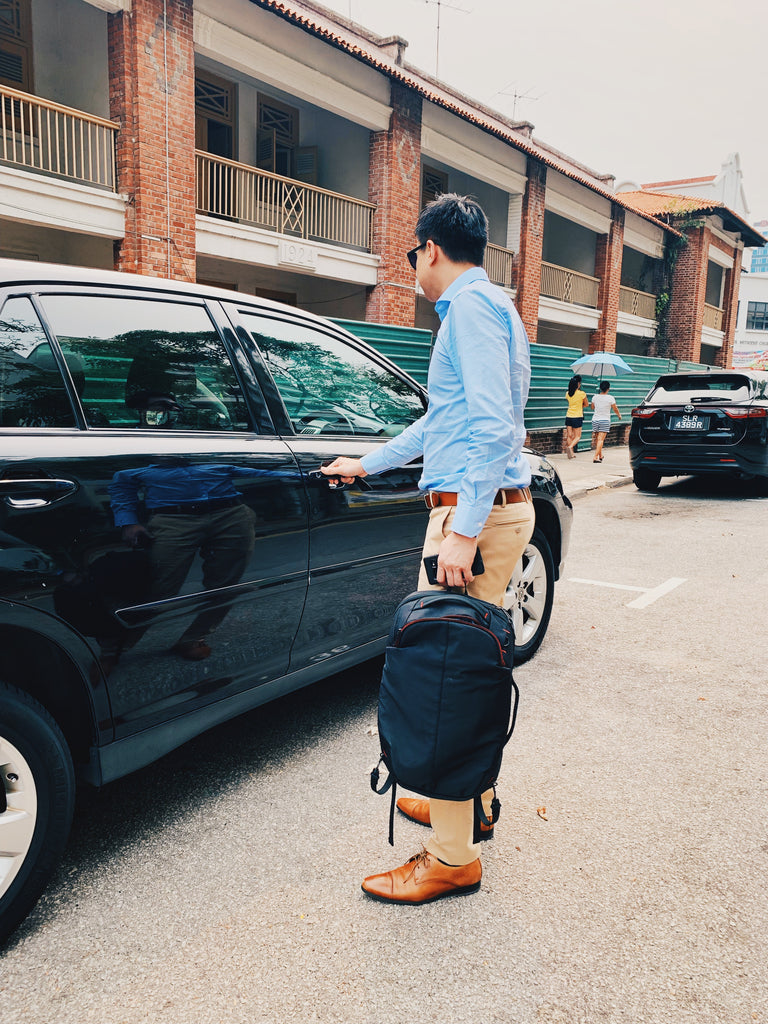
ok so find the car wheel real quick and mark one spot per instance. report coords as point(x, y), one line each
point(646, 479)
point(530, 595)
point(37, 798)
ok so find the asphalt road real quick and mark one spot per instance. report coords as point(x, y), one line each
point(626, 883)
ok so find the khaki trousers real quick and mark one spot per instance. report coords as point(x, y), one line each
point(501, 542)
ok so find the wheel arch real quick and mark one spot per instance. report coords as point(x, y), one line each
point(43, 657)
point(548, 521)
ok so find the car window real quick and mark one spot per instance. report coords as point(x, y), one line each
point(143, 363)
point(328, 386)
point(693, 388)
point(32, 388)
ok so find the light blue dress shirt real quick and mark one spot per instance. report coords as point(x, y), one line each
point(473, 431)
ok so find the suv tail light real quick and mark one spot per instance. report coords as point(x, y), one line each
point(744, 414)
point(643, 414)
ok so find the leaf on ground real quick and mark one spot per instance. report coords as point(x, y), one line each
point(542, 813)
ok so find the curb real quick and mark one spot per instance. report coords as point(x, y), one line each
point(600, 485)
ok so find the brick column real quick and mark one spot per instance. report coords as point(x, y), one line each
point(152, 97)
point(724, 357)
point(608, 257)
point(531, 246)
point(689, 289)
point(394, 184)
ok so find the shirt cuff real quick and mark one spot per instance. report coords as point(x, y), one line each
point(125, 519)
point(376, 461)
point(469, 520)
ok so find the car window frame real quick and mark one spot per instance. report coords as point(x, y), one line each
point(26, 292)
point(269, 387)
point(262, 424)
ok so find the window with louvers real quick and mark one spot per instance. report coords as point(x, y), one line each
point(16, 44)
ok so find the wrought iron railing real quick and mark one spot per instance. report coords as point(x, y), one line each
point(713, 317)
point(48, 138)
point(637, 303)
point(568, 285)
point(229, 189)
point(499, 264)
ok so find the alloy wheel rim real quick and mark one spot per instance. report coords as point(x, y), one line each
point(526, 596)
point(18, 820)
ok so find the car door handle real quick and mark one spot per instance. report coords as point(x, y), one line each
point(34, 492)
point(335, 482)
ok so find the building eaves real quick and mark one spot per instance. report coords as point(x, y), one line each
point(362, 44)
point(668, 204)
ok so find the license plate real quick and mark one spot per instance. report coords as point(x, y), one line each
point(689, 422)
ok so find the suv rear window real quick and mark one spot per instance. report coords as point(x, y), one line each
point(700, 388)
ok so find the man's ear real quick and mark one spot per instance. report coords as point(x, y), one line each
point(431, 252)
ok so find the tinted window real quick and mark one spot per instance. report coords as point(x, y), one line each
point(32, 389)
point(735, 388)
point(328, 386)
point(144, 363)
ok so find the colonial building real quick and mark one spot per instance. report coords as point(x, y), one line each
point(278, 149)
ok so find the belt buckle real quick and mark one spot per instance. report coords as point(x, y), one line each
point(430, 500)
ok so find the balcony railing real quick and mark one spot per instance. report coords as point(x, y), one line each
point(252, 196)
point(45, 137)
point(568, 285)
point(499, 264)
point(637, 303)
point(713, 317)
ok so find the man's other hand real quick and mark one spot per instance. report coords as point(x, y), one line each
point(344, 468)
point(454, 560)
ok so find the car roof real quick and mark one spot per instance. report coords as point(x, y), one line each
point(30, 272)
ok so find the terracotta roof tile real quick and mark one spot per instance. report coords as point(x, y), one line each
point(680, 181)
point(660, 204)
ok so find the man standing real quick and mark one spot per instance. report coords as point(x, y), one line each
point(476, 480)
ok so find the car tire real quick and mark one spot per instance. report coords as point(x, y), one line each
point(37, 799)
point(530, 595)
point(646, 479)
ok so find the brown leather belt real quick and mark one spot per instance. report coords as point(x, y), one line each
point(434, 499)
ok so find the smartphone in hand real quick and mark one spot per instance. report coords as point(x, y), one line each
point(430, 565)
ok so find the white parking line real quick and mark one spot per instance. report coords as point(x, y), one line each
point(649, 594)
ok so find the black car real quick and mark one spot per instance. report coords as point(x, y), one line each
point(170, 556)
point(688, 423)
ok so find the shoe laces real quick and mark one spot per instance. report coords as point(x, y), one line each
point(417, 860)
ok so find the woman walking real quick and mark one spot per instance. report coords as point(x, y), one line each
point(574, 419)
point(602, 403)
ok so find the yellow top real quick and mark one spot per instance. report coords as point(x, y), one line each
point(575, 403)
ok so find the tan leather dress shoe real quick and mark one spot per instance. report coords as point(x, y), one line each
point(423, 879)
point(417, 810)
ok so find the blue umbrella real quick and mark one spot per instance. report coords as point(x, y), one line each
point(601, 364)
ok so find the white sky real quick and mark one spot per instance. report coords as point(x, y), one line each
point(648, 91)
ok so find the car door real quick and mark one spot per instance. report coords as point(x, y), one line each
point(177, 542)
point(330, 395)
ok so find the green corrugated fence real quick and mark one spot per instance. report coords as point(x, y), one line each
point(551, 371)
point(410, 348)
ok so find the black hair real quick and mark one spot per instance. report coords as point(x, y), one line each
point(458, 225)
point(604, 385)
point(573, 385)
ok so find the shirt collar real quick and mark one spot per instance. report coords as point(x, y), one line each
point(450, 293)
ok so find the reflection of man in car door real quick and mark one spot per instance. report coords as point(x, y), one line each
point(192, 508)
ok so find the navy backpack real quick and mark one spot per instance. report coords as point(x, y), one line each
point(448, 702)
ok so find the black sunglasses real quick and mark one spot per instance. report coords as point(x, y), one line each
point(412, 254)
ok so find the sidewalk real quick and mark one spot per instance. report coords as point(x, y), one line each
point(581, 475)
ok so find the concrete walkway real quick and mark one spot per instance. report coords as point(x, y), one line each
point(581, 475)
